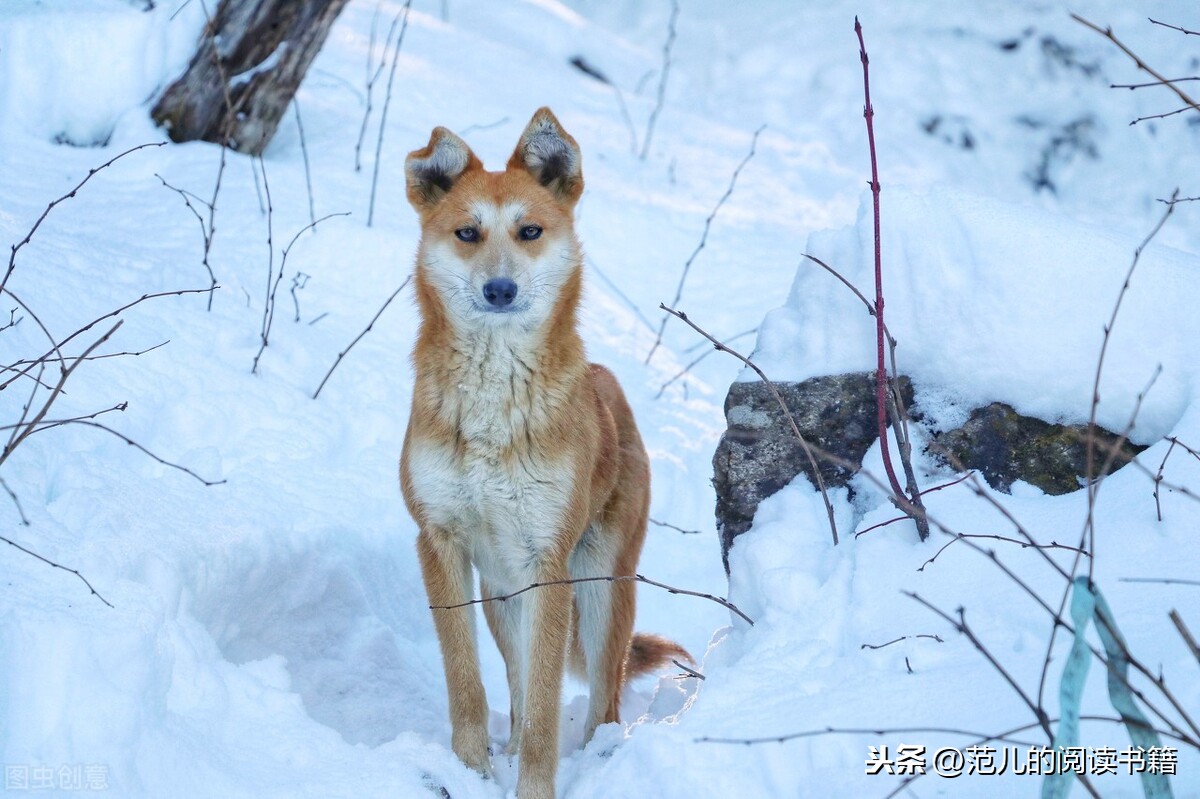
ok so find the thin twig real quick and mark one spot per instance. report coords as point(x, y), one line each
point(93, 323)
point(673, 527)
point(1087, 539)
point(1158, 478)
point(49, 562)
point(1152, 83)
point(387, 101)
point(269, 300)
point(687, 369)
point(808, 451)
point(877, 732)
point(704, 239)
point(1161, 116)
point(269, 310)
point(906, 516)
point(485, 126)
point(595, 267)
point(1174, 27)
point(22, 434)
point(16, 502)
point(1107, 33)
point(373, 73)
point(937, 638)
point(46, 424)
point(1023, 544)
point(146, 452)
point(298, 282)
point(15, 248)
point(312, 214)
point(662, 79)
point(366, 330)
point(670, 589)
point(206, 228)
point(633, 143)
point(961, 626)
point(1159, 580)
point(690, 671)
point(1184, 633)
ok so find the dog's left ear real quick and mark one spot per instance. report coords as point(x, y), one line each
point(549, 153)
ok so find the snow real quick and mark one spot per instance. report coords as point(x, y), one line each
point(270, 635)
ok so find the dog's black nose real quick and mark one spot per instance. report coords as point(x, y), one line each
point(500, 291)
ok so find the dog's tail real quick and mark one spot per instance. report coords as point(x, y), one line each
point(648, 653)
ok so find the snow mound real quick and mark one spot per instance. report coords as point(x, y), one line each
point(994, 302)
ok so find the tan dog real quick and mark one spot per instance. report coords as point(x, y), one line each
point(521, 458)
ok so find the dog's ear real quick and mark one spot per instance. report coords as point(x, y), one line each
point(549, 153)
point(432, 170)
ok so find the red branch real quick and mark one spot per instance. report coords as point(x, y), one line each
point(880, 371)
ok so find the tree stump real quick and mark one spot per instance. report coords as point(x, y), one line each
point(250, 61)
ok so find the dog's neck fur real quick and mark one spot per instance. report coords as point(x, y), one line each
point(502, 381)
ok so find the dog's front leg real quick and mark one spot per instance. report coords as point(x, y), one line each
point(546, 617)
point(446, 569)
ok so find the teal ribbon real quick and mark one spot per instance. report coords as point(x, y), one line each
point(1087, 603)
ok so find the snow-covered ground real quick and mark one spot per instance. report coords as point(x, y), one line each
point(269, 635)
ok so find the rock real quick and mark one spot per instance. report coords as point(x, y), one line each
point(759, 453)
point(1005, 446)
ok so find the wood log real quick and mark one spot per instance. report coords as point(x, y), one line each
point(246, 70)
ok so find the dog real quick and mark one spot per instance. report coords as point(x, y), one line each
point(521, 459)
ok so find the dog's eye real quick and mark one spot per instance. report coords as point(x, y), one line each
point(467, 234)
point(529, 232)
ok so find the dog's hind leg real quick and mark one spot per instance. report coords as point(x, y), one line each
point(504, 620)
point(606, 610)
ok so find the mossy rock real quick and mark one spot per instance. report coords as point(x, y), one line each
point(759, 453)
point(1005, 446)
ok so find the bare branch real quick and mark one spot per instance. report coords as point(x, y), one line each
point(273, 288)
point(1023, 544)
point(1152, 83)
point(906, 516)
point(387, 100)
point(1184, 633)
point(937, 638)
point(962, 627)
point(673, 527)
point(16, 502)
point(1174, 27)
point(808, 451)
point(312, 214)
point(366, 330)
point(704, 239)
point(31, 425)
point(662, 81)
point(29, 364)
point(691, 364)
point(147, 452)
point(12, 257)
point(670, 589)
point(49, 562)
point(1160, 580)
point(1107, 33)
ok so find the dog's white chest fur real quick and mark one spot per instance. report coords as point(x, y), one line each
point(504, 502)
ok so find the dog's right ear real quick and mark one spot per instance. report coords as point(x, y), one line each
point(432, 170)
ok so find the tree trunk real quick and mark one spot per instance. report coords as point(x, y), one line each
point(249, 63)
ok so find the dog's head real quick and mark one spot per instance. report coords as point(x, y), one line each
point(498, 247)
